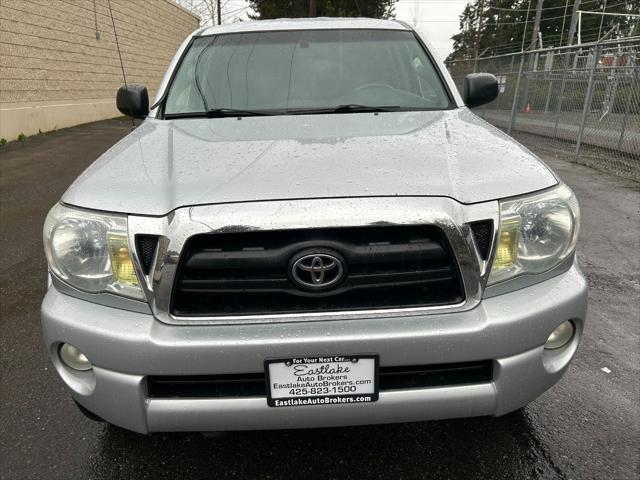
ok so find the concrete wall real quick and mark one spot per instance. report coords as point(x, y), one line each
point(55, 73)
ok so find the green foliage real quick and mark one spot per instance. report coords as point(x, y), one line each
point(3, 142)
point(22, 137)
point(266, 9)
point(505, 23)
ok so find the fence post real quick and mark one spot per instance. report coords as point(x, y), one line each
point(514, 105)
point(563, 85)
point(587, 99)
point(548, 72)
point(546, 104)
point(626, 114)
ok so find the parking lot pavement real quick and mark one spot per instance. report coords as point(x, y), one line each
point(587, 426)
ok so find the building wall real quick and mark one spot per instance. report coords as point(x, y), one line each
point(59, 64)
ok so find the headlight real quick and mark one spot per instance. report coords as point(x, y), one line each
point(537, 233)
point(90, 251)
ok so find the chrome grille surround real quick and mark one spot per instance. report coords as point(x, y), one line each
point(174, 229)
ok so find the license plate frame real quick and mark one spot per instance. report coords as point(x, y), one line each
point(332, 397)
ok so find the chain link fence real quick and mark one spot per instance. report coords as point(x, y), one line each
point(581, 101)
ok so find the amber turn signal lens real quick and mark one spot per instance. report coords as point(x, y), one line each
point(507, 251)
point(121, 262)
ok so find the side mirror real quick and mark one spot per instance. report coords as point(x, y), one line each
point(479, 88)
point(133, 100)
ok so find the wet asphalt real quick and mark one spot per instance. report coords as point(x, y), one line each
point(587, 426)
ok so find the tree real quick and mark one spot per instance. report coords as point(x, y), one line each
point(506, 22)
point(205, 9)
point(265, 9)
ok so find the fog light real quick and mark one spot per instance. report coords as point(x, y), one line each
point(560, 336)
point(74, 358)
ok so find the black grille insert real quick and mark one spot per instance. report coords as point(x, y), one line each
point(483, 234)
point(253, 384)
point(250, 272)
point(146, 248)
point(207, 386)
point(422, 376)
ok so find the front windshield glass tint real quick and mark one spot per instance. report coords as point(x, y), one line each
point(305, 70)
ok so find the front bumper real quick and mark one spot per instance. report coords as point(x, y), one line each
point(125, 346)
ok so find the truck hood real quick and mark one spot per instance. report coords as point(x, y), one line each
point(167, 164)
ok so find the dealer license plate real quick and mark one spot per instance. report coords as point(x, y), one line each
point(327, 380)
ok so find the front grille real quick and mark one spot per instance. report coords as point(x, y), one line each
point(251, 273)
point(253, 384)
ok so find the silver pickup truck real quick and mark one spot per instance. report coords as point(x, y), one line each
point(310, 228)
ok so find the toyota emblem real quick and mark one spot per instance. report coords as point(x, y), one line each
point(317, 270)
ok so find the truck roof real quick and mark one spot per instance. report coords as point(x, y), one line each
point(321, 23)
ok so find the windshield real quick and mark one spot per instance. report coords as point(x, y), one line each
point(305, 71)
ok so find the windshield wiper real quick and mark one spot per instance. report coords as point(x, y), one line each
point(221, 112)
point(234, 112)
point(346, 108)
point(354, 107)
